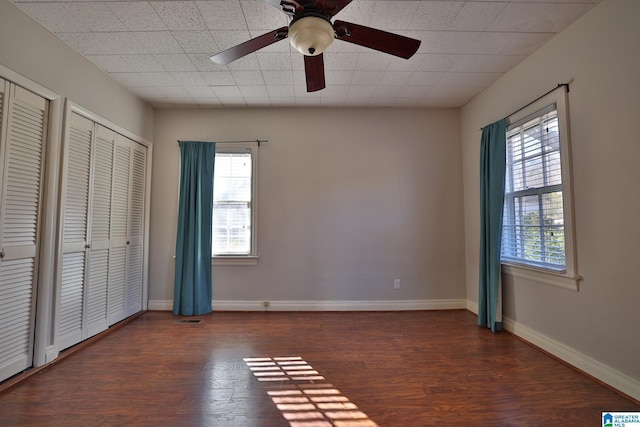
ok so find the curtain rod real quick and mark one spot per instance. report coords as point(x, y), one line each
point(538, 98)
point(258, 141)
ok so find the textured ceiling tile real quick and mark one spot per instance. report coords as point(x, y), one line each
point(411, 64)
point(158, 42)
point(103, 43)
point(476, 16)
point(179, 15)
point(470, 63)
point(367, 77)
point(247, 77)
point(396, 78)
point(428, 39)
point(465, 46)
point(261, 15)
point(159, 79)
point(189, 78)
point(54, 17)
point(202, 62)
point(279, 91)
point(509, 43)
point(340, 61)
point(436, 15)
point(254, 91)
point(393, 15)
point(175, 62)
point(277, 78)
point(454, 79)
point(200, 92)
point(226, 39)
point(537, 17)
point(481, 80)
point(196, 41)
point(221, 14)
point(373, 61)
point(438, 62)
point(218, 78)
point(131, 79)
point(227, 91)
point(137, 15)
point(456, 42)
point(414, 91)
point(358, 12)
point(426, 78)
point(500, 63)
point(339, 78)
point(274, 61)
point(247, 63)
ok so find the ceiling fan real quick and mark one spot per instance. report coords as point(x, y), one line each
point(311, 33)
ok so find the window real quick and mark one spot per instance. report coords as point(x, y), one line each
point(537, 231)
point(533, 222)
point(234, 204)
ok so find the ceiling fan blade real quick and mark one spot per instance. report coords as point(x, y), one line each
point(393, 44)
point(314, 71)
point(292, 7)
point(250, 46)
point(341, 4)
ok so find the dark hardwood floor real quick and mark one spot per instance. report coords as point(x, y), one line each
point(356, 369)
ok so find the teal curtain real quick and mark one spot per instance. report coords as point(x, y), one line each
point(192, 280)
point(492, 172)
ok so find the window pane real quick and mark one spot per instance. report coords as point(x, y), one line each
point(232, 204)
point(533, 225)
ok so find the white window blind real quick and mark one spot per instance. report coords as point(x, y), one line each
point(232, 203)
point(533, 224)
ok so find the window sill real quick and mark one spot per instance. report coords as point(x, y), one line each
point(234, 260)
point(561, 280)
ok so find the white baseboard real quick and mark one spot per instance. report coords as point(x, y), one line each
point(381, 305)
point(608, 375)
point(602, 372)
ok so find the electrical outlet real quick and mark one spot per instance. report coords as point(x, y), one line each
point(265, 304)
point(396, 284)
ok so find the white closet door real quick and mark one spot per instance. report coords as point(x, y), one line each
point(22, 138)
point(135, 261)
point(77, 162)
point(119, 231)
point(96, 283)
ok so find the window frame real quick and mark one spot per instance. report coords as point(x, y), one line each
point(569, 277)
point(252, 257)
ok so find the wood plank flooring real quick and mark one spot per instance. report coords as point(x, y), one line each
point(317, 369)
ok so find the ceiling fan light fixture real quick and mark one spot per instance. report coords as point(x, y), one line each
point(311, 35)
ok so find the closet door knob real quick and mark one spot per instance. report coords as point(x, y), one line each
point(1, 254)
point(87, 246)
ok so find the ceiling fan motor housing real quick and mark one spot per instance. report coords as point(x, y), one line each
point(311, 34)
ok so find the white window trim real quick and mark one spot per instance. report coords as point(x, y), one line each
point(568, 279)
point(252, 258)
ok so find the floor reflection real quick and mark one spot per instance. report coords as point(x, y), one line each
point(303, 396)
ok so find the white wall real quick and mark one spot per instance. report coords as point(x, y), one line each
point(33, 52)
point(599, 323)
point(349, 200)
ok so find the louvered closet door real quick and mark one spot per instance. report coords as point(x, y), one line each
point(119, 231)
point(75, 243)
point(97, 280)
point(22, 138)
point(135, 261)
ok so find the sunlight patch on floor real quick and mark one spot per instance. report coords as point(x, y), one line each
point(303, 396)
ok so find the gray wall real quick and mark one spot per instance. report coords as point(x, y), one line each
point(348, 201)
point(599, 55)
